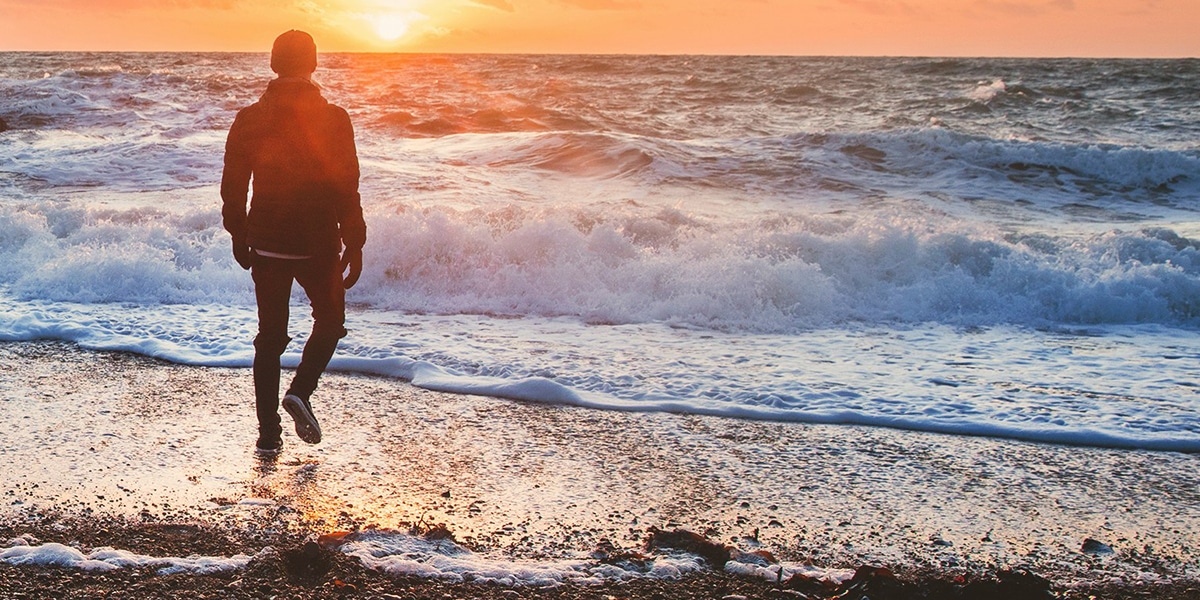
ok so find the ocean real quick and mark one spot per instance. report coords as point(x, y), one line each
point(995, 247)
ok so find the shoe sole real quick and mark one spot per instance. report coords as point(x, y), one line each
point(264, 452)
point(306, 424)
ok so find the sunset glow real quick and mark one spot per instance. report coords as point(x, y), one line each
point(393, 26)
point(1101, 28)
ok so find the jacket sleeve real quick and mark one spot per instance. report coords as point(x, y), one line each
point(352, 227)
point(235, 179)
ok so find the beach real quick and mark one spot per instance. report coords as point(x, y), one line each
point(116, 449)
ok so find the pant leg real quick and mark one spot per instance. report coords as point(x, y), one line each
point(321, 278)
point(273, 291)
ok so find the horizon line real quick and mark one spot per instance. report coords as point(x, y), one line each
point(654, 54)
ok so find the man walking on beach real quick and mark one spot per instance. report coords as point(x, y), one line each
point(300, 151)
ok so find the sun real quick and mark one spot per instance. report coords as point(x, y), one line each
point(393, 25)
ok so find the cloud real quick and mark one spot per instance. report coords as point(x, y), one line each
point(118, 5)
point(1019, 7)
point(504, 5)
point(311, 8)
point(881, 7)
point(603, 4)
point(1145, 7)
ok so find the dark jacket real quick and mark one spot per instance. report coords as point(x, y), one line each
point(300, 151)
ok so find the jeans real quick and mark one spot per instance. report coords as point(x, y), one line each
point(321, 279)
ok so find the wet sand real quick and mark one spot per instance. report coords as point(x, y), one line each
point(129, 439)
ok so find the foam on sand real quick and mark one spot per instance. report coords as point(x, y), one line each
point(401, 554)
point(21, 553)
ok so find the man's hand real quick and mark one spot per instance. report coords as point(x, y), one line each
point(241, 253)
point(352, 259)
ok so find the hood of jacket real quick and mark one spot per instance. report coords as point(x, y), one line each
point(292, 94)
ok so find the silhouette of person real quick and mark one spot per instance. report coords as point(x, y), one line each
point(305, 224)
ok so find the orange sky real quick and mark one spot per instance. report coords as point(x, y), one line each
point(1134, 28)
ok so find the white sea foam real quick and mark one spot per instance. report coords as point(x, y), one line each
point(775, 274)
point(109, 559)
point(985, 92)
point(401, 554)
point(1086, 387)
point(404, 555)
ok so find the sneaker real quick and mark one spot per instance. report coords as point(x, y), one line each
point(307, 428)
point(268, 447)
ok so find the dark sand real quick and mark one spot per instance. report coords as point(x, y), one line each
point(111, 449)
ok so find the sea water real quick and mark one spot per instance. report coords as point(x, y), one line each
point(991, 247)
